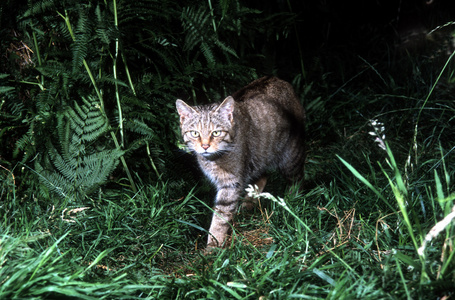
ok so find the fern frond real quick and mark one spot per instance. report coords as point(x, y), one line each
point(195, 22)
point(138, 11)
point(55, 182)
point(54, 69)
point(83, 35)
point(87, 120)
point(5, 89)
point(104, 32)
point(64, 163)
point(111, 80)
point(225, 48)
point(140, 127)
point(75, 167)
point(39, 7)
point(207, 52)
point(25, 143)
point(77, 116)
point(94, 169)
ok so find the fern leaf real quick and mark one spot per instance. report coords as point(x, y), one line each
point(225, 48)
point(207, 52)
point(76, 168)
point(196, 26)
point(83, 34)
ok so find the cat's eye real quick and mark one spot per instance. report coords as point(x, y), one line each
point(216, 133)
point(194, 133)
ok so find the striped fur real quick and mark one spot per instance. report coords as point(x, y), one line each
point(257, 128)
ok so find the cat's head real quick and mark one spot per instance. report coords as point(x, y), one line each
point(207, 130)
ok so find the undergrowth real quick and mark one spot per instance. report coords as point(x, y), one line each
point(383, 233)
point(98, 202)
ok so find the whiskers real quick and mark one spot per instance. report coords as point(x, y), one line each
point(220, 153)
point(228, 147)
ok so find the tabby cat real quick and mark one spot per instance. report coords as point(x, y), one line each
point(259, 127)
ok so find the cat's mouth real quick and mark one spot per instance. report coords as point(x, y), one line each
point(208, 154)
point(211, 155)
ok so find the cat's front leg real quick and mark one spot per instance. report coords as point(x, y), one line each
point(224, 211)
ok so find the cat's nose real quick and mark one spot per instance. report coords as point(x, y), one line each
point(205, 146)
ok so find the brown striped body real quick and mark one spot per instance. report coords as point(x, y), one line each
point(258, 128)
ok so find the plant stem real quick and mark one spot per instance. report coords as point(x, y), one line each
point(213, 16)
point(100, 97)
point(38, 56)
point(151, 160)
point(117, 95)
point(130, 81)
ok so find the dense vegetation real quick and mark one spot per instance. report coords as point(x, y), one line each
point(98, 200)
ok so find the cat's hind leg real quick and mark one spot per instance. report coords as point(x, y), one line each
point(292, 163)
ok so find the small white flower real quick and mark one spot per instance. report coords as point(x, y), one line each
point(378, 132)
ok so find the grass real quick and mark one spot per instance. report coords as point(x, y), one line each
point(373, 221)
point(361, 235)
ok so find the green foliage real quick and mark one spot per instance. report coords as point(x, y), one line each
point(137, 58)
point(75, 167)
point(199, 33)
point(87, 97)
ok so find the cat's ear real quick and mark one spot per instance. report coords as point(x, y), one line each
point(184, 110)
point(226, 108)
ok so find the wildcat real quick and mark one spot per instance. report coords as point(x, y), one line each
point(259, 127)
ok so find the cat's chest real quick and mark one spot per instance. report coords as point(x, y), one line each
point(222, 171)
